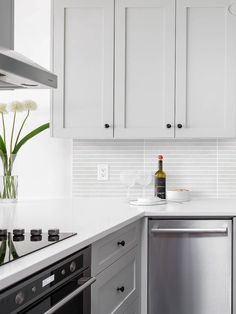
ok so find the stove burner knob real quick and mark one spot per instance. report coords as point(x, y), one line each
point(36, 232)
point(36, 238)
point(72, 267)
point(63, 272)
point(53, 232)
point(19, 299)
point(18, 238)
point(53, 238)
point(18, 232)
point(3, 232)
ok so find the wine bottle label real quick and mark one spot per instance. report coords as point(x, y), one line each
point(160, 188)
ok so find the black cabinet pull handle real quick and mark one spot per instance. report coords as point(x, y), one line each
point(122, 243)
point(106, 126)
point(168, 125)
point(121, 289)
point(179, 125)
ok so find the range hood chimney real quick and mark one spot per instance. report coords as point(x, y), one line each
point(17, 71)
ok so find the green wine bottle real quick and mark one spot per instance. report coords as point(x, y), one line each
point(160, 180)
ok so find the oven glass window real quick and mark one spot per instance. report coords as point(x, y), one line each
point(80, 304)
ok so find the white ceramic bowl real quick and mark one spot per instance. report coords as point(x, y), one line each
point(178, 195)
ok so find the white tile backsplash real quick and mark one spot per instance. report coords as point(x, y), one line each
point(206, 167)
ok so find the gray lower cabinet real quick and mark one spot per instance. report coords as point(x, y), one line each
point(134, 308)
point(116, 266)
point(116, 288)
point(109, 249)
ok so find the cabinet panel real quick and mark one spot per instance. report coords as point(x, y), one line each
point(107, 250)
point(83, 60)
point(206, 68)
point(133, 308)
point(144, 68)
point(106, 299)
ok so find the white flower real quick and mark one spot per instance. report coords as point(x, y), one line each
point(3, 108)
point(16, 106)
point(30, 105)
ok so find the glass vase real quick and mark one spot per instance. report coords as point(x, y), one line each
point(8, 189)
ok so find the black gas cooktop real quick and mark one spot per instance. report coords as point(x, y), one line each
point(16, 244)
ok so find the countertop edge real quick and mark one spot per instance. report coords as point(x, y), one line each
point(11, 279)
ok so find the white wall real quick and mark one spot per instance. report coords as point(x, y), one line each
point(44, 164)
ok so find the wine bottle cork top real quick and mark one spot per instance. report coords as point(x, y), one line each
point(160, 157)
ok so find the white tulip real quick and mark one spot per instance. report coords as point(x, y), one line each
point(16, 106)
point(3, 108)
point(30, 105)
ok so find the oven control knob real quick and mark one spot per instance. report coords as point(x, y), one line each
point(19, 299)
point(72, 267)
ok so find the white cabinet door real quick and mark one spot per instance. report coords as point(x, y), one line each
point(206, 68)
point(83, 60)
point(144, 68)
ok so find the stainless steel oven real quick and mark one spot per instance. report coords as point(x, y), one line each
point(62, 288)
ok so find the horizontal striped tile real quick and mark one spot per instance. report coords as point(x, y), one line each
point(206, 167)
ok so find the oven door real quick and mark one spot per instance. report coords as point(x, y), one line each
point(73, 297)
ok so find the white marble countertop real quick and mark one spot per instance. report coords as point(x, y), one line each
point(91, 219)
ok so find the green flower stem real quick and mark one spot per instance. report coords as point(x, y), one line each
point(4, 129)
point(3, 150)
point(12, 249)
point(9, 188)
point(9, 185)
point(12, 135)
point(3, 249)
point(12, 132)
point(21, 128)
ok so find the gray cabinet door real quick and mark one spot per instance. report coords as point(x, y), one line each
point(109, 249)
point(117, 286)
point(206, 68)
point(144, 68)
point(83, 60)
point(190, 266)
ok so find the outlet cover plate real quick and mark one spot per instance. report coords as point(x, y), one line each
point(102, 172)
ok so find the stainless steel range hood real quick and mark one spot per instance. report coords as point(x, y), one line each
point(17, 71)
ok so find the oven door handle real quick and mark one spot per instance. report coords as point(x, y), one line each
point(70, 296)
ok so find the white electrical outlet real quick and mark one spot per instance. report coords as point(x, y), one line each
point(102, 172)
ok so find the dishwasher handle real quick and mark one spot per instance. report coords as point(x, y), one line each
point(190, 230)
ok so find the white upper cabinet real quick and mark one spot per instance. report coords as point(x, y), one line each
point(83, 59)
point(144, 68)
point(167, 67)
point(205, 68)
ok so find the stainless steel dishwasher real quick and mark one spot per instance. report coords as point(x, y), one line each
point(190, 264)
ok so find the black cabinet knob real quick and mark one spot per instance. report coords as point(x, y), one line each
point(121, 289)
point(179, 125)
point(106, 126)
point(122, 243)
point(168, 125)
